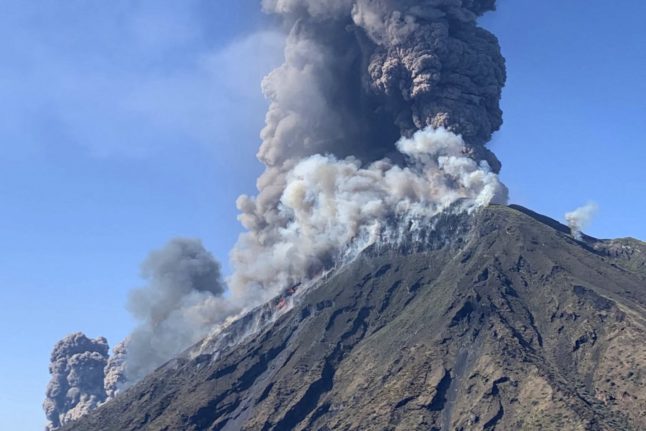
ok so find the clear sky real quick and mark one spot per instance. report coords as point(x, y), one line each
point(126, 123)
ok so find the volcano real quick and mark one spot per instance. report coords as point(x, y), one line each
point(498, 320)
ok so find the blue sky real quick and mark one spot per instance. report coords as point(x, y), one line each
point(126, 123)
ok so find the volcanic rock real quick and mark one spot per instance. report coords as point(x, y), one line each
point(501, 320)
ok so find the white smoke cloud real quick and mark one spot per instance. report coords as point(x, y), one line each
point(579, 219)
point(329, 204)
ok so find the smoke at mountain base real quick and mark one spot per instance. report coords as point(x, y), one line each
point(180, 305)
point(182, 301)
point(76, 388)
point(115, 370)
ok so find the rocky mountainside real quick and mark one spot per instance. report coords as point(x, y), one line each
point(500, 321)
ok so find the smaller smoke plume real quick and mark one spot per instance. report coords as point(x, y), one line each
point(579, 219)
point(181, 303)
point(76, 388)
point(115, 370)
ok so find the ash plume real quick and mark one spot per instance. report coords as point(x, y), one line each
point(180, 304)
point(360, 76)
point(115, 371)
point(579, 219)
point(77, 369)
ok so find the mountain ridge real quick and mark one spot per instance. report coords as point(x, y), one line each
point(504, 322)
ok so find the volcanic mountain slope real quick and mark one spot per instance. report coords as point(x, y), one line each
point(500, 321)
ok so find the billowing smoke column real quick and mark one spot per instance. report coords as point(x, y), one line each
point(358, 76)
point(578, 219)
point(178, 307)
point(77, 369)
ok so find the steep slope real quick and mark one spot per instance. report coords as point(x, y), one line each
point(499, 321)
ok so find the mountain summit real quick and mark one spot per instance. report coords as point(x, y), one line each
point(500, 320)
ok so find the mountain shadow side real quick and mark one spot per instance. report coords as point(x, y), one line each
point(508, 323)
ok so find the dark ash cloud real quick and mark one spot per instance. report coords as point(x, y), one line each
point(77, 369)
